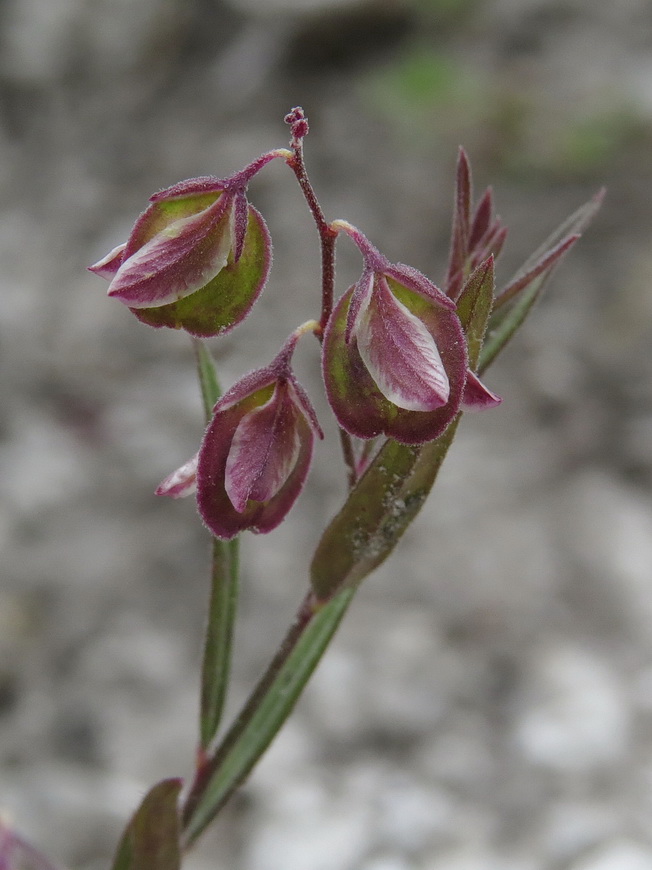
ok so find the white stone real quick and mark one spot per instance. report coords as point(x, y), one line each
point(575, 718)
point(412, 814)
point(306, 826)
point(608, 528)
point(572, 827)
point(387, 862)
point(620, 855)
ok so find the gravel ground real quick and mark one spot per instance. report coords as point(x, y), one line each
point(487, 704)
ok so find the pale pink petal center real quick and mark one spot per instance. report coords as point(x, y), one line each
point(179, 260)
point(264, 451)
point(400, 354)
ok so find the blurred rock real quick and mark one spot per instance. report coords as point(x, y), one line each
point(621, 855)
point(574, 717)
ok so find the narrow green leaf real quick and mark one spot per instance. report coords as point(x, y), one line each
point(504, 321)
point(461, 224)
point(377, 512)
point(577, 222)
point(474, 307)
point(151, 839)
point(503, 326)
point(222, 609)
point(525, 278)
point(267, 709)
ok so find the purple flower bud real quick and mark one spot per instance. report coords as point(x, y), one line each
point(197, 258)
point(256, 452)
point(394, 357)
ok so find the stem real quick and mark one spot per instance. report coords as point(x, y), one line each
point(349, 458)
point(327, 234)
point(216, 660)
point(206, 374)
point(222, 608)
point(264, 713)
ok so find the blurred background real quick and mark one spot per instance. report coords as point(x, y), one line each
point(487, 704)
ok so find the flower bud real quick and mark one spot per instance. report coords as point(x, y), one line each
point(256, 452)
point(197, 258)
point(394, 357)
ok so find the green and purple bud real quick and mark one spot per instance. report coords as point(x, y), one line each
point(197, 258)
point(394, 358)
point(256, 452)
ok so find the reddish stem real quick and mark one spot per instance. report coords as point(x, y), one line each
point(327, 234)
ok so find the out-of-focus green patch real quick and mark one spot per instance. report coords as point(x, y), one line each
point(591, 142)
point(424, 90)
point(564, 146)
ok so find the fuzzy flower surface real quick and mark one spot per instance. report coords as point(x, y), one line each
point(196, 259)
point(394, 356)
point(255, 455)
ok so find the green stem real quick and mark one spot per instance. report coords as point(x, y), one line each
point(207, 375)
point(222, 609)
point(216, 662)
point(268, 707)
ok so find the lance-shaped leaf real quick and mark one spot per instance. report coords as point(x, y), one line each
point(376, 514)
point(506, 319)
point(474, 307)
point(461, 226)
point(151, 839)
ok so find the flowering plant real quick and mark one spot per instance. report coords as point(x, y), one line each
point(401, 360)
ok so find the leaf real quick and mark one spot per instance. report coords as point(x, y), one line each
point(504, 321)
point(263, 715)
point(482, 219)
point(151, 839)
point(461, 224)
point(525, 278)
point(377, 512)
point(577, 222)
point(228, 298)
point(474, 307)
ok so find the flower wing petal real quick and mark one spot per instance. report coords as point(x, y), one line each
point(401, 354)
point(180, 259)
point(263, 452)
point(476, 397)
point(109, 264)
point(181, 482)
